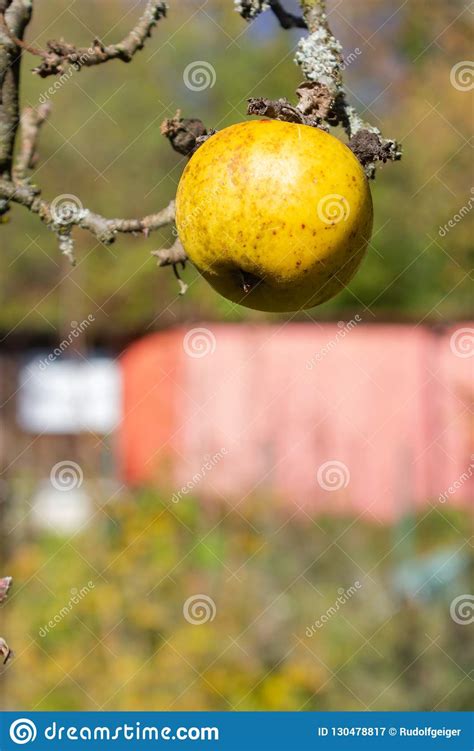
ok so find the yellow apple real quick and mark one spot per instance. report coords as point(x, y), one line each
point(276, 216)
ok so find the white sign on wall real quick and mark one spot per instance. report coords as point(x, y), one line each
point(70, 396)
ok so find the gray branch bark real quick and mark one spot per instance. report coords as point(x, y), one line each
point(16, 13)
point(63, 218)
point(60, 53)
point(30, 123)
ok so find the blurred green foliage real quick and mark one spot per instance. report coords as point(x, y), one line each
point(102, 143)
point(127, 645)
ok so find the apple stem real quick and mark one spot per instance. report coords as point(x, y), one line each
point(249, 281)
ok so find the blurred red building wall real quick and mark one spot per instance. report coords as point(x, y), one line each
point(350, 418)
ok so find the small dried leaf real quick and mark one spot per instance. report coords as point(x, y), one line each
point(314, 99)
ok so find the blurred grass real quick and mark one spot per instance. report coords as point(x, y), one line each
point(127, 645)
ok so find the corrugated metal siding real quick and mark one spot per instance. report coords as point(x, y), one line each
point(388, 405)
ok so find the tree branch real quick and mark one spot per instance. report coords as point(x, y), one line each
point(175, 257)
point(322, 98)
point(287, 20)
point(320, 57)
point(17, 13)
point(31, 121)
point(61, 216)
point(59, 53)
point(171, 256)
point(66, 211)
point(250, 9)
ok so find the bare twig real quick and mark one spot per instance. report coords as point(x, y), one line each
point(66, 211)
point(62, 217)
point(17, 13)
point(176, 257)
point(58, 53)
point(287, 20)
point(250, 9)
point(31, 121)
point(171, 256)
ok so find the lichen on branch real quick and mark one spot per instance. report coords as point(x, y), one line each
point(322, 98)
point(319, 54)
point(250, 9)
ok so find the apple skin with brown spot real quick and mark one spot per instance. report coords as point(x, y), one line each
point(276, 216)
